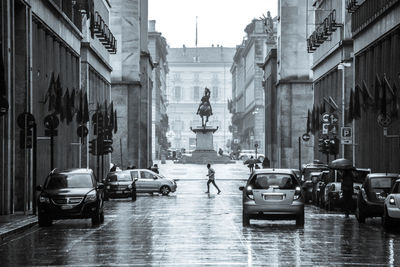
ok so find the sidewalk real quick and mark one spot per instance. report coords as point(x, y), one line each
point(15, 224)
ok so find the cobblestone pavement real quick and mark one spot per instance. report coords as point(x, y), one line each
point(191, 228)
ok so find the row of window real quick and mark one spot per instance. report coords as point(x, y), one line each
point(197, 93)
point(196, 76)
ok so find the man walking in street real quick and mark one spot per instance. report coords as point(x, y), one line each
point(347, 187)
point(211, 179)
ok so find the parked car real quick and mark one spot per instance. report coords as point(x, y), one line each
point(307, 169)
point(148, 181)
point(70, 194)
point(333, 195)
point(272, 194)
point(119, 184)
point(246, 154)
point(308, 186)
point(373, 193)
point(391, 208)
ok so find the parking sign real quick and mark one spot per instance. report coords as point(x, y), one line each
point(346, 135)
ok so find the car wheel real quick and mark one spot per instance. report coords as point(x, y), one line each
point(96, 218)
point(164, 190)
point(44, 220)
point(134, 196)
point(102, 217)
point(245, 219)
point(360, 214)
point(300, 219)
point(385, 219)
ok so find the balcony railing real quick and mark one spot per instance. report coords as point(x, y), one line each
point(71, 10)
point(369, 11)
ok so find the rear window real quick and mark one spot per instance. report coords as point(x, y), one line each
point(59, 181)
point(265, 181)
point(119, 177)
point(382, 182)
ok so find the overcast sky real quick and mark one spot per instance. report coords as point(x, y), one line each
point(219, 21)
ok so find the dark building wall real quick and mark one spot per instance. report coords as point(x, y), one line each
point(381, 58)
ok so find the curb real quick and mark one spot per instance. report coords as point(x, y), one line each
point(11, 229)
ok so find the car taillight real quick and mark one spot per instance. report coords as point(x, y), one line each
point(391, 201)
point(249, 192)
point(297, 193)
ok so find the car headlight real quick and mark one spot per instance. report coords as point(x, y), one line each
point(108, 187)
point(43, 199)
point(391, 201)
point(91, 196)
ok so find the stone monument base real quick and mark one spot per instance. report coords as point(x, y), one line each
point(205, 152)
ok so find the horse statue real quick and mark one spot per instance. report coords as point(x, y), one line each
point(205, 109)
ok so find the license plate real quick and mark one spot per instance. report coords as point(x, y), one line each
point(273, 197)
point(66, 207)
point(118, 192)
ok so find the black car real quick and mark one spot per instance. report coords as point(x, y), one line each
point(371, 197)
point(119, 184)
point(70, 194)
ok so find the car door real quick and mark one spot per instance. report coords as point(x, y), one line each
point(146, 181)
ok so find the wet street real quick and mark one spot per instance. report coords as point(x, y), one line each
point(189, 228)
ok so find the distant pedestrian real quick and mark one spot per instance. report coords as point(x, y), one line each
point(347, 188)
point(250, 165)
point(155, 168)
point(211, 179)
point(266, 163)
point(220, 152)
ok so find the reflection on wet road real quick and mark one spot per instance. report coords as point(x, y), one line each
point(191, 228)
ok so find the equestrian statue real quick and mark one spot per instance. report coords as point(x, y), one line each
point(205, 109)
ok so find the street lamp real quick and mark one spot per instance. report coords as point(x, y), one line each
point(342, 67)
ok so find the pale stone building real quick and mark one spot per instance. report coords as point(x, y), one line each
point(158, 51)
point(132, 83)
point(191, 70)
point(248, 119)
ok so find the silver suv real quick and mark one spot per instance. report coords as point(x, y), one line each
point(273, 194)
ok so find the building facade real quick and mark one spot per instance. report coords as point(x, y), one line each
point(131, 83)
point(191, 70)
point(294, 85)
point(375, 29)
point(46, 50)
point(248, 113)
point(158, 51)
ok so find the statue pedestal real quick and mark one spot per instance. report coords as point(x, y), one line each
point(204, 152)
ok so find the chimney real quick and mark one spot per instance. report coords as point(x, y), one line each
point(152, 25)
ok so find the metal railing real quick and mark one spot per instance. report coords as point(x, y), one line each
point(71, 10)
point(369, 11)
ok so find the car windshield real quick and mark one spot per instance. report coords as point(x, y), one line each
point(264, 181)
point(59, 181)
point(119, 177)
point(360, 175)
point(307, 172)
point(382, 182)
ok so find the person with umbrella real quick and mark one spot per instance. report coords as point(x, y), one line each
point(346, 167)
point(250, 163)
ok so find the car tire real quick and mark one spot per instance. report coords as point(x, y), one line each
point(44, 220)
point(245, 219)
point(102, 217)
point(300, 219)
point(386, 219)
point(96, 218)
point(164, 190)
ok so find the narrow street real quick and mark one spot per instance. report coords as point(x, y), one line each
point(189, 228)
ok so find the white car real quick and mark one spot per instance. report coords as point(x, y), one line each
point(148, 181)
point(391, 211)
point(246, 154)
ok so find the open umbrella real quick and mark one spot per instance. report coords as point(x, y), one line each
point(252, 161)
point(341, 164)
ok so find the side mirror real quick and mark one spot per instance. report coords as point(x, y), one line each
point(39, 188)
point(100, 186)
point(241, 188)
point(357, 187)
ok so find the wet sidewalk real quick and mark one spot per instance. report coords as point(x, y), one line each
point(15, 224)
